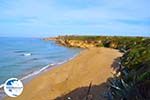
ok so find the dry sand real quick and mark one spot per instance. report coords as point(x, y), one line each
point(92, 65)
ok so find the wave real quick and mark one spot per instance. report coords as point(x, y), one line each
point(27, 54)
point(36, 72)
point(23, 53)
point(33, 73)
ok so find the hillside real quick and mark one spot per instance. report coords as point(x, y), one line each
point(132, 75)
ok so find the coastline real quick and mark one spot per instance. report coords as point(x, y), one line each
point(70, 75)
point(27, 78)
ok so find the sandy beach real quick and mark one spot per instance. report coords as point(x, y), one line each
point(72, 79)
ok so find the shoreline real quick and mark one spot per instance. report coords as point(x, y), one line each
point(46, 68)
point(43, 69)
point(27, 78)
point(59, 84)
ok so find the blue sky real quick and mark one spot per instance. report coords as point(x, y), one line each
point(36, 18)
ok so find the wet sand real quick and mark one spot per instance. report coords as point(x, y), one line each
point(92, 65)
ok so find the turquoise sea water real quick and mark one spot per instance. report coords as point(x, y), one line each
point(23, 57)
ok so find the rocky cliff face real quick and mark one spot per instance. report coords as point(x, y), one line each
point(78, 43)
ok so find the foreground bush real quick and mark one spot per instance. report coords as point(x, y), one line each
point(134, 80)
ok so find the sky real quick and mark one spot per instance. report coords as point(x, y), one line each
point(42, 18)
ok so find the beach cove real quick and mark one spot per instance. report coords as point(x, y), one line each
point(72, 79)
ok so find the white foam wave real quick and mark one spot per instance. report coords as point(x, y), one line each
point(27, 54)
point(36, 72)
point(33, 73)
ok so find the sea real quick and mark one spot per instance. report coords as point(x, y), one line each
point(23, 58)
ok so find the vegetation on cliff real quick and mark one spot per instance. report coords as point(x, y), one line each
point(132, 78)
point(134, 68)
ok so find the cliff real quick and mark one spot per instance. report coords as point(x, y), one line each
point(75, 43)
point(84, 41)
